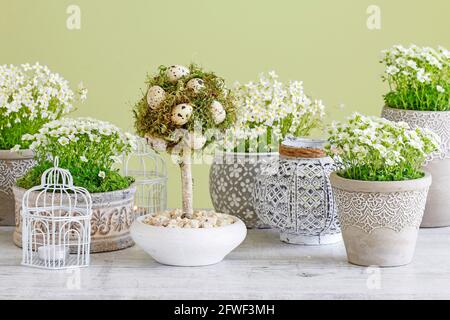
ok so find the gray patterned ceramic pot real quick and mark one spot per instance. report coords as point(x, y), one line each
point(437, 210)
point(13, 165)
point(380, 220)
point(231, 181)
point(293, 194)
point(112, 217)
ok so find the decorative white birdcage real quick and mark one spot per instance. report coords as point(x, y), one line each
point(150, 172)
point(56, 228)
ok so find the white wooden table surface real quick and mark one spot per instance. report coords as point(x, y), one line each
point(261, 268)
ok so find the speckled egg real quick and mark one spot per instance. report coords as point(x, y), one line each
point(195, 141)
point(176, 72)
point(155, 96)
point(181, 114)
point(196, 85)
point(218, 112)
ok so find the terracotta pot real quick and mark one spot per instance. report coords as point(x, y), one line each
point(188, 247)
point(380, 220)
point(231, 181)
point(112, 216)
point(437, 210)
point(13, 165)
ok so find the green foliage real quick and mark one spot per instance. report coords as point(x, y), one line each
point(11, 132)
point(88, 148)
point(427, 98)
point(31, 96)
point(86, 177)
point(375, 149)
point(418, 78)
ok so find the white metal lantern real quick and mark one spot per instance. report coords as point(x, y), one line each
point(293, 194)
point(56, 228)
point(149, 170)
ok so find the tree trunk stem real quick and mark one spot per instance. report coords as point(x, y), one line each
point(186, 183)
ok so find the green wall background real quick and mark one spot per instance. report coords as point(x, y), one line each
point(325, 43)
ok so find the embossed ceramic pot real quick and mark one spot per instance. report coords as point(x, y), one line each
point(13, 165)
point(437, 210)
point(231, 181)
point(293, 194)
point(380, 220)
point(187, 247)
point(112, 217)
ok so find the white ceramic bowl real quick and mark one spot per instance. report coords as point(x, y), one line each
point(188, 247)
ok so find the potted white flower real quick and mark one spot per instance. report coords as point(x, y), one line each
point(30, 96)
point(183, 110)
point(380, 188)
point(268, 110)
point(89, 149)
point(419, 82)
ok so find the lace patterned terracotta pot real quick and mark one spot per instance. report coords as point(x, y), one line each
point(13, 166)
point(231, 180)
point(380, 220)
point(112, 217)
point(437, 210)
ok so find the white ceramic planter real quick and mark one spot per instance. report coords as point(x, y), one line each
point(112, 217)
point(13, 165)
point(437, 210)
point(231, 181)
point(380, 220)
point(188, 247)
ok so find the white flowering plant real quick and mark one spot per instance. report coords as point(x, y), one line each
point(30, 96)
point(268, 110)
point(88, 148)
point(418, 78)
point(375, 149)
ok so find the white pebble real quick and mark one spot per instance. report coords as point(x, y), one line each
point(200, 219)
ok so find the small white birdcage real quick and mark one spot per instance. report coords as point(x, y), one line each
point(56, 229)
point(150, 172)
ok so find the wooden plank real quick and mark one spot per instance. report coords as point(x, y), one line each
point(261, 268)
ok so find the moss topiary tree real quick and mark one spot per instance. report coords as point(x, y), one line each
point(182, 111)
